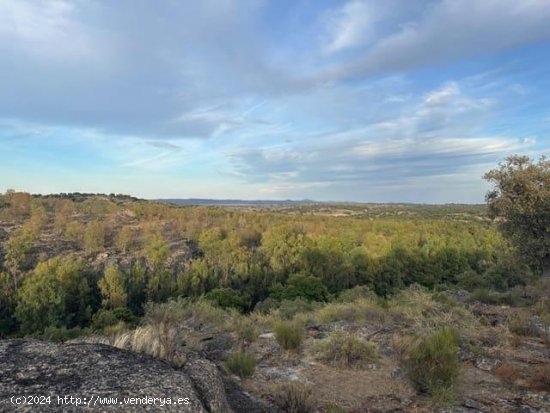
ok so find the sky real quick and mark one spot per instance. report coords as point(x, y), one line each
point(353, 100)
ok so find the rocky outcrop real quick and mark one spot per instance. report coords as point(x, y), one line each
point(103, 378)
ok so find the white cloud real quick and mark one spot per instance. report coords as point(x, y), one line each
point(350, 26)
point(454, 29)
point(46, 28)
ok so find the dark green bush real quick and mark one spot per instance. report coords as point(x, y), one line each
point(229, 298)
point(242, 364)
point(302, 286)
point(433, 364)
point(107, 318)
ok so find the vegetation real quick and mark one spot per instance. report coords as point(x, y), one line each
point(346, 350)
point(289, 334)
point(521, 195)
point(294, 397)
point(433, 364)
point(242, 364)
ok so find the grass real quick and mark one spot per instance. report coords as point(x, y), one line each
point(433, 364)
point(294, 397)
point(346, 350)
point(361, 310)
point(289, 334)
point(242, 364)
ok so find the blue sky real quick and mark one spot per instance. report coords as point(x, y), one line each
point(359, 100)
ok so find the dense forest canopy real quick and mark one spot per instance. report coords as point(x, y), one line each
point(77, 261)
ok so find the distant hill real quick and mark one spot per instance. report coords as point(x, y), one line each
point(203, 201)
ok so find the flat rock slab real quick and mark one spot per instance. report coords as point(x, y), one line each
point(93, 373)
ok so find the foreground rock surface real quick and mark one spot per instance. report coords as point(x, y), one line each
point(95, 373)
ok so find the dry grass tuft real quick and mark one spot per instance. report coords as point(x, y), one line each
point(346, 350)
point(294, 397)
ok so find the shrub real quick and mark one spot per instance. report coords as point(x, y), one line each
point(355, 293)
point(107, 318)
point(94, 237)
point(508, 374)
point(246, 329)
point(433, 363)
point(359, 311)
point(60, 334)
point(342, 349)
point(294, 397)
point(288, 334)
point(229, 298)
point(523, 325)
point(540, 380)
point(289, 309)
point(267, 305)
point(303, 286)
point(242, 364)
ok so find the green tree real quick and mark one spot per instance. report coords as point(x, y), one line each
point(17, 248)
point(113, 288)
point(7, 305)
point(521, 197)
point(56, 294)
point(94, 238)
point(157, 252)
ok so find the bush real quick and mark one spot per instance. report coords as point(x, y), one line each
point(355, 293)
point(303, 286)
point(294, 397)
point(508, 374)
point(288, 334)
point(523, 325)
point(60, 334)
point(242, 364)
point(433, 363)
point(289, 309)
point(359, 311)
point(246, 329)
point(342, 349)
point(540, 380)
point(107, 318)
point(229, 298)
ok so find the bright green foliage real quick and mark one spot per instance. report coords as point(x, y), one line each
point(289, 334)
point(521, 195)
point(433, 363)
point(157, 252)
point(284, 245)
point(242, 364)
point(94, 237)
point(113, 287)
point(56, 293)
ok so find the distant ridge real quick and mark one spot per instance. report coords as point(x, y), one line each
point(203, 201)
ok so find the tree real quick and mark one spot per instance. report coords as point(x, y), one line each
point(113, 288)
point(18, 246)
point(56, 294)
point(94, 238)
point(7, 305)
point(521, 197)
